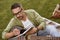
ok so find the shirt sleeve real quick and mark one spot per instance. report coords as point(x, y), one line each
point(39, 19)
point(6, 30)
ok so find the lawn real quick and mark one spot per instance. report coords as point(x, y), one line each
point(44, 7)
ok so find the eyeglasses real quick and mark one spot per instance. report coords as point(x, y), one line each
point(18, 12)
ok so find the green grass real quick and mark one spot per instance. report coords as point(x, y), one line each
point(43, 7)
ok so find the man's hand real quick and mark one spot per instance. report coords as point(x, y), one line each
point(11, 34)
point(16, 32)
point(39, 27)
point(32, 31)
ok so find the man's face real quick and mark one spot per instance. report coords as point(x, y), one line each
point(18, 12)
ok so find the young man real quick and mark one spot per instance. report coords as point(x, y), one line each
point(26, 19)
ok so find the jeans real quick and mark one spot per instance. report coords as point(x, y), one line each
point(50, 29)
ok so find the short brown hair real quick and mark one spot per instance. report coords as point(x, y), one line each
point(15, 5)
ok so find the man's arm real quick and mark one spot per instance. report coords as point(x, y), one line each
point(15, 32)
point(8, 35)
point(40, 20)
point(32, 31)
point(5, 33)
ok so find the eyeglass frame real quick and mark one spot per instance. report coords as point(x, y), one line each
point(18, 12)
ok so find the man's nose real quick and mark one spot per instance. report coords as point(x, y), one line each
point(17, 15)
